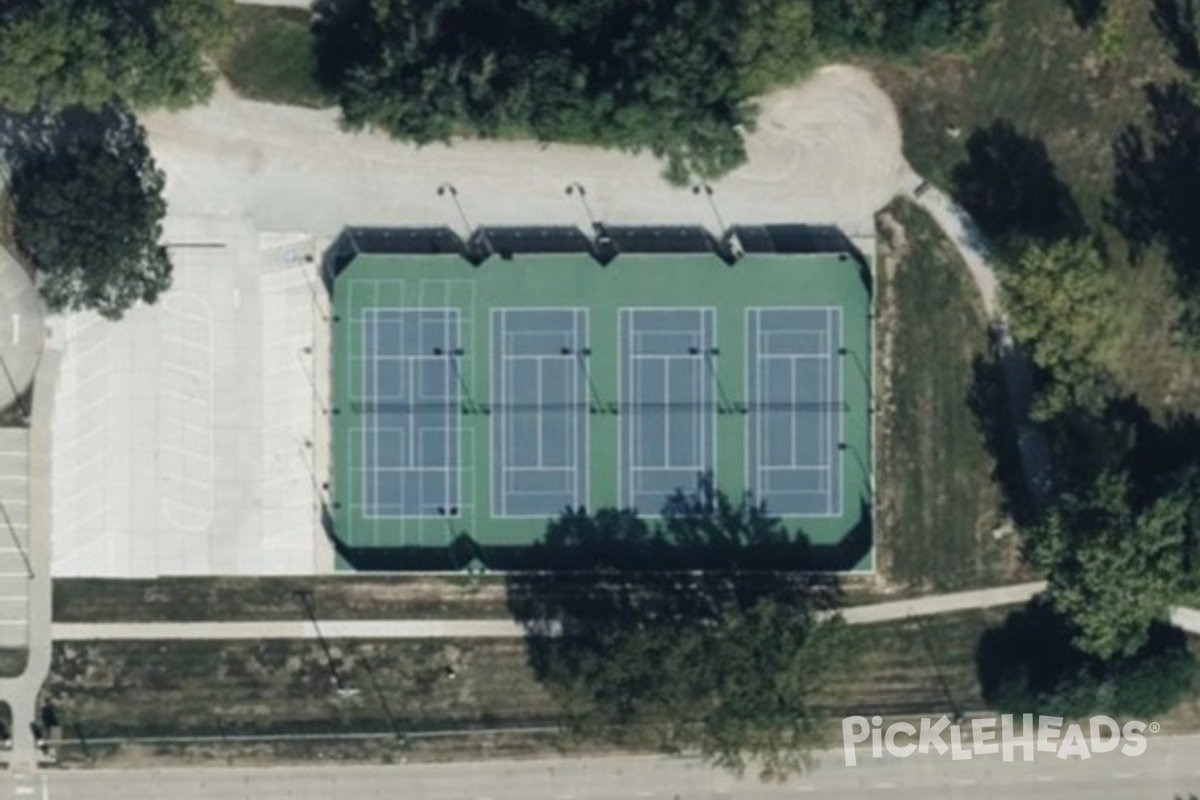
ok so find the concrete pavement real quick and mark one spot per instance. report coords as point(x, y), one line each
point(828, 151)
point(942, 603)
point(21, 693)
point(23, 328)
point(1166, 770)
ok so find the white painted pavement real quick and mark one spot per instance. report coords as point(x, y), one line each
point(183, 433)
point(15, 566)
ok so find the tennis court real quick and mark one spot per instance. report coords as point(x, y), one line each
point(668, 423)
point(540, 411)
point(793, 382)
point(484, 402)
point(409, 407)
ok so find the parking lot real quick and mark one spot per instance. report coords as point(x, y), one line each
point(182, 434)
point(14, 536)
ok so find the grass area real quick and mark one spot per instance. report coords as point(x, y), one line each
point(108, 689)
point(270, 57)
point(126, 689)
point(938, 502)
point(921, 666)
point(1073, 90)
point(267, 598)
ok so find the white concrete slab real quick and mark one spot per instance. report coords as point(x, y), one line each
point(175, 426)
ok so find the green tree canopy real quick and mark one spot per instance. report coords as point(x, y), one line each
point(1028, 664)
point(900, 26)
point(738, 684)
point(672, 77)
point(60, 53)
point(1114, 563)
point(88, 214)
point(1059, 301)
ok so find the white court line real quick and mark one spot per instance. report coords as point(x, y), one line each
point(503, 341)
point(761, 356)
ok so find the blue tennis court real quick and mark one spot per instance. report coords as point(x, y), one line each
point(539, 411)
point(409, 406)
point(794, 388)
point(667, 408)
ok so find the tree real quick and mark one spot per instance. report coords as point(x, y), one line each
point(900, 26)
point(88, 214)
point(738, 684)
point(775, 43)
point(1114, 564)
point(1059, 303)
point(1028, 665)
point(60, 53)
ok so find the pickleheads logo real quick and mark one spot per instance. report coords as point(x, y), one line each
point(989, 736)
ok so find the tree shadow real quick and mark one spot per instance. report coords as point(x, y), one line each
point(994, 416)
point(1156, 180)
point(41, 134)
point(592, 607)
point(341, 39)
point(702, 529)
point(1176, 22)
point(1086, 12)
point(696, 530)
point(1010, 186)
point(1028, 664)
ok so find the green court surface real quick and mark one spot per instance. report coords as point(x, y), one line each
point(475, 404)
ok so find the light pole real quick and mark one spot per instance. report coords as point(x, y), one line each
point(707, 191)
point(577, 190)
point(862, 371)
point(724, 404)
point(581, 355)
point(12, 385)
point(12, 532)
point(447, 189)
point(845, 447)
point(470, 406)
point(305, 598)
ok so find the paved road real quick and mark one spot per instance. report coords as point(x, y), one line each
point(1168, 769)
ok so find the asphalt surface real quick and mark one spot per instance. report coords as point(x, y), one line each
point(1167, 770)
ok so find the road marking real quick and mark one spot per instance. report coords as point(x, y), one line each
point(965, 782)
point(885, 785)
point(16, 328)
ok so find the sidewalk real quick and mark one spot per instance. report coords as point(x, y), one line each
point(486, 628)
